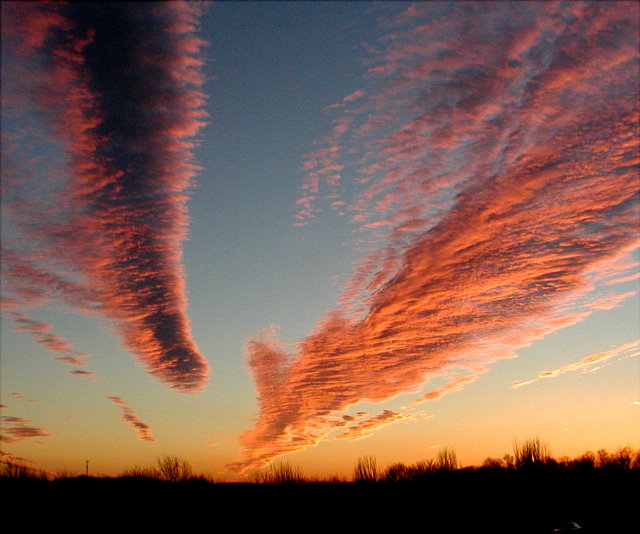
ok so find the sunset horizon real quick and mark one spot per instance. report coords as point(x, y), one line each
point(248, 233)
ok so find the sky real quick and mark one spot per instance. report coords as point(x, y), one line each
point(244, 233)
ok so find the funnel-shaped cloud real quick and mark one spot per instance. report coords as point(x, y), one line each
point(100, 101)
point(496, 153)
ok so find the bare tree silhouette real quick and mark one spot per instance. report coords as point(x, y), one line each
point(447, 460)
point(174, 469)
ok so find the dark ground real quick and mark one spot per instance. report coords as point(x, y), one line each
point(461, 501)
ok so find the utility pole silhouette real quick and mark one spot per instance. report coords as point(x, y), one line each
point(86, 468)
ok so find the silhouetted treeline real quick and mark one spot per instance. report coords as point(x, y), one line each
point(524, 492)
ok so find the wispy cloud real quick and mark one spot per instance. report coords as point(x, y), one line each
point(454, 384)
point(589, 363)
point(129, 415)
point(495, 151)
point(21, 396)
point(115, 89)
point(21, 429)
point(367, 427)
point(43, 335)
point(81, 372)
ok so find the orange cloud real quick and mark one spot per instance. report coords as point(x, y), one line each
point(497, 218)
point(455, 384)
point(591, 362)
point(366, 428)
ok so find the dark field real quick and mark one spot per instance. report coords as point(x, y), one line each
point(463, 500)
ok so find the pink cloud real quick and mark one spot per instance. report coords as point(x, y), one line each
point(41, 332)
point(142, 429)
point(356, 95)
point(21, 430)
point(493, 211)
point(110, 240)
point(21, 396)
point(81, 372)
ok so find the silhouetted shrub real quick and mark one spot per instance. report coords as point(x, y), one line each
point(281, 473)
point(623, 458)
point(396, 472)
point(509, 461)
point(586, 461)
point(65, 473)
point(422, 469)
point(492, 464)
point(138, 471)
point(16, 470)
point(531, 453)
point(366, 469)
